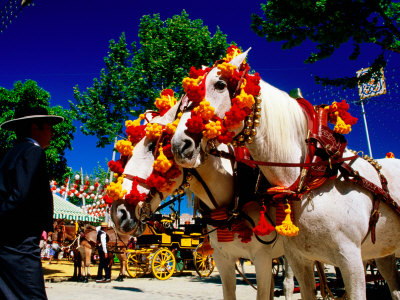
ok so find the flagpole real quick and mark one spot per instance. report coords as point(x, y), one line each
point(366, 127)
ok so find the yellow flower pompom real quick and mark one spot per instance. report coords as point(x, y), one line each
point(170, 128)
point(165, 102)
point(245, 100)
point(153, 131)
point(187, 81)
point(162, 164)
point(114, 189)
point(204, 110)
point(287, 228)
point(124, 147)
point(226, 70)
point(135, 123)
point(212, 130)
point(341, 127)
point(232, 53)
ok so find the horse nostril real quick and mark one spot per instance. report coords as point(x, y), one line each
point(122, 214)
point(187, 146)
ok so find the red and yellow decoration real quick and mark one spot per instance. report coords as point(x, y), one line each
point(389, 155)
point(340, 117)
point(203, 119)
point(164, 167)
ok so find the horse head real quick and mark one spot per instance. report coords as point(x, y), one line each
point(144, 192)
point(217, 90)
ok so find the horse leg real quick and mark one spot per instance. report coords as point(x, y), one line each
point(288, 282)
point(353, 273)
point(226, 267)
point(387, 267)
point(304, 270)
point(88, 254)
point(122, 260)
point(263, 267)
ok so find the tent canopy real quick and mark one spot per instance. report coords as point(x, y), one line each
point(64, 209)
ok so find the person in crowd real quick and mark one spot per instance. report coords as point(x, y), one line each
point(102, 239)
point(55, 248)
point(43, 243)
point(25, 192)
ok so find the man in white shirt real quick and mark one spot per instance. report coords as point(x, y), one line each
point(102, 239)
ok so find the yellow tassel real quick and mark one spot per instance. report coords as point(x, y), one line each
point(287, 228)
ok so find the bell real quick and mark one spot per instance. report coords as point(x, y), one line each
point(258, 100)
point(189, 177)
point(258, 108)
point(257, 114)
point(256, 123)
point(240, 138)
point(186, 185)
point(246, 131)
point(249, 123)
point(180, 191)
point(253, 132)
point(249, 140)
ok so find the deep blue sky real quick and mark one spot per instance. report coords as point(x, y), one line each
point(61, 44)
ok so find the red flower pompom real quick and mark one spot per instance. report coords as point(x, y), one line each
point(195, 124)
point(116, 166)
point(136, 133)
point(134, 197)
point(167, 92)
point(107, 199)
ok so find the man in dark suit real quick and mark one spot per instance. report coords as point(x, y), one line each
point(26, 204)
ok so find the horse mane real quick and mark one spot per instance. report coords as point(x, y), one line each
point(283, 122)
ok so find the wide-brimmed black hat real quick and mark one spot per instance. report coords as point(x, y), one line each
point(29, 115)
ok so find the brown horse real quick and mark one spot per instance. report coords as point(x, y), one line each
point(68, 235)
point(117, 244)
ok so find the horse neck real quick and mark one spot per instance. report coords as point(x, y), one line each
point(280, 136)
point(218, 177)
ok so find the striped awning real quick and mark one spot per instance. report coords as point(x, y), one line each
point(64, 209)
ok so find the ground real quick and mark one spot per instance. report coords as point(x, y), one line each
point(186, 286)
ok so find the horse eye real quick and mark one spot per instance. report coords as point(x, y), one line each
point(220, 85)
point(151, 146)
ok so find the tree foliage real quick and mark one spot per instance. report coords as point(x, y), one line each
point(132, 79)
point(331, 23)
point(30, 94)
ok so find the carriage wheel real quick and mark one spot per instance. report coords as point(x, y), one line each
point(163, 264)
point(204, 264)
point(180, 263)
point(136, 265)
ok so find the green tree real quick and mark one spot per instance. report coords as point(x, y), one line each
point(30, 94)
point(331, 23)
point(132, 79)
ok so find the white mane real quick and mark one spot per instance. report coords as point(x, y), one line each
point(283, 122)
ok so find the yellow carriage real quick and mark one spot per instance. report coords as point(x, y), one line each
point(163, 251)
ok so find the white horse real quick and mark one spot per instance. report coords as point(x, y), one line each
point(333, 219)
point(127, 217)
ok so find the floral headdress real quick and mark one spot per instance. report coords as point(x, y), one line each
point(164, 167)
point(203, 119)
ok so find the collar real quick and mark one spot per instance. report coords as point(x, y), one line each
point(33, 141)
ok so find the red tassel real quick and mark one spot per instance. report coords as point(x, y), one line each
point(263, 227)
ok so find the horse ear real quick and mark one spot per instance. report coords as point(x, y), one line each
point(238, 60)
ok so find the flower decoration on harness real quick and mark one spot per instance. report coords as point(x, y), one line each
point(338, 115)
point(203, 119)
point(165, 102)
point(164, 167)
